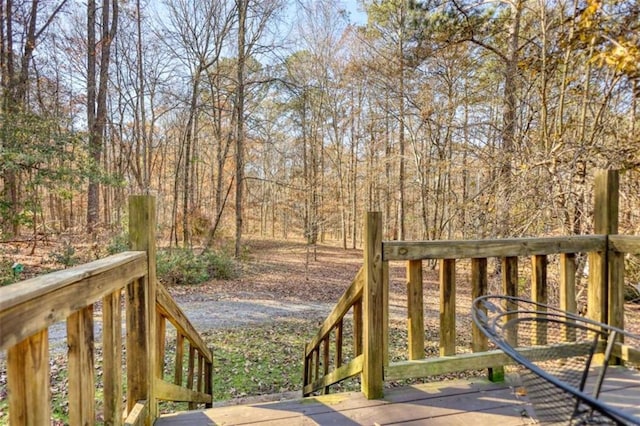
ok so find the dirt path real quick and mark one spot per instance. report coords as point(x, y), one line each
point(279, 279)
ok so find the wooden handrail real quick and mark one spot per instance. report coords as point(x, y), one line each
point(468, 249)
point(313, 378)
point(29, 308)
point(35, 304)
point(174, 314)
point(605, 296)
point(625, 243)
point(193, 391)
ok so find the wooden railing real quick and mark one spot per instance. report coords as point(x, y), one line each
point(605, 296)
point(317, 355)
point(29, 308)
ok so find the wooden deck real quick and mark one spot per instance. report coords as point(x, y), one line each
point(449, 403)
point(445, 403)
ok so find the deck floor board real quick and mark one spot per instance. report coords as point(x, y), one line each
point(449, 403)
point(458, 402)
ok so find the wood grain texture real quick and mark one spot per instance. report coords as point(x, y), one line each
point(167, 391)
point(479, 283)
point(83, 287)
point(510, 288)
point(467, 249)
point(142, 236)
point(625, 243)
point(138, 366)
point(351, 295)
point(373, 308)
point(350, 369)
point(37, 287)
point(168, 307)
point(28, 381)
point(415, 309)
point(112, 358)
point(82, 391)
point(447, 307)
point(178, 367)
point(568, 283)
point(539, 295)
point(138, 414)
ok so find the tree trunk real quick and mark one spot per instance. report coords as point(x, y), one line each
point(97, 105)
point(242, 16)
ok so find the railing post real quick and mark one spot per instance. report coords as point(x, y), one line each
point(28, 381)
point(415, 302)
point(141, 309)
point(373, 321)
point(605, 287)
point(447, 307)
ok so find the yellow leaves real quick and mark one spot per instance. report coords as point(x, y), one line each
point(588, 16)
point(623, 56)
point(603, 26)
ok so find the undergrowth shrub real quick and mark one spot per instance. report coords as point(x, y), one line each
point(6, 273)
point(184, 267)
point(118, 243)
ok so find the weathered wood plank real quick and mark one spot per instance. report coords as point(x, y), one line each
point(605, 221)
point(325, 360)
point(568, 283)
point(597, 287)
point(625, 243)
point(348, 298)
point(170, 309)
point(142, 236)
point(568, 300)
point(191, 366)
point(112, 361)
point(626, 353)
point(476, 361)
point(373, 308)
point(539, 295)
point(447, 307)
point(467, 249)
point(339, 333)
point(138, 366)
point(510, 288)
point(28, 381)
point(81, 367)
point(177, 374)
point(357, 327)
point(441, 403)
point(84, 287)
point(208, 382)
point(138, 414)
point(385, 312)
point(350, 369)
point(36, 287)
point(605, 208)
point(161, 331)
point(415, 309)
point(616, 289)
point(479, 283)
point(200, 383)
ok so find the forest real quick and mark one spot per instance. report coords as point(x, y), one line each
point(455, 118)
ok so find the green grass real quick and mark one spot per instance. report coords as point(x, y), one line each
point(248, 361)
point(259, 360)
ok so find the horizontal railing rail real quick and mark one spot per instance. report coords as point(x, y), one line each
point(508, 251)
point(504, 247)
point(29, 308)
point(604, 294)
